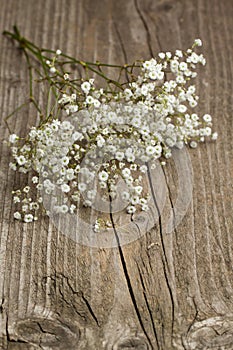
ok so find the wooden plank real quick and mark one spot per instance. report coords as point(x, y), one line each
point(162, 291)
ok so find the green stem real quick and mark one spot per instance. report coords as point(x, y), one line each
point(12, 113)
point(38, 53)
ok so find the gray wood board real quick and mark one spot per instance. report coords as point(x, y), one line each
point(162, 291)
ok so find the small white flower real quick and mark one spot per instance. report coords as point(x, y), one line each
point(13, 138)
point(73, 108)
point(12, 166)
point(128, 93)
point(72, 208)
point(147, 65)
point(161, 55)
point(131, 209)
point(143, 168)
point(16, 199)
point(65, 188)
point(193, 144)
point(52, 70)
point(17, 215)
point(180, 144)
point(150, 150)
point(191, 89)
point(111, 149)
point(214, 136)
point(207, 118)
point(66, 125)
point(208, 131)
point(193, 103)
point(77, 136)
point(144, 89)
point(183, 66)
point(65, 160)
point(136, 122)
point(70, 174)
point(174, 66)
point(39, 187)
point(198, 42)
point(170, 142)
point(135, 200)
point(58, 52)
point(26, 189)
point(182, 108)
point(87, 203)
point(130, 158)
point(180, 79)
point(145, 207)
point(129, 180)
point(97, 226)
point(96, 103)
point(153, 75)
point(89, 100)
point(91, 194)
point(82, 186)
point(64, 209)
point(138, 189)
point(125, 196)
point(49, 142)
point(167, 154)
point(160, 75)
point(126, 173)
point(105, 131)
point(133, 167)
point(103, 176)
point(119, 155)
point(45, 174)
point(103, 185)
point(86, 86)
point(100, 141)
point(76, 197)
point(21, 160)
point(34, 206)
point(179, 53)
point(158, 149)
point(143, 201)
point(28, 218)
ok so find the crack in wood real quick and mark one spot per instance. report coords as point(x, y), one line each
point(148, 308)
point(126, 274)
point(70, 302)
point(164, 257)
point(123, 48)
point(145, 26)
point(91, 310)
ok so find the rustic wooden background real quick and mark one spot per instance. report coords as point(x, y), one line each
point(163, 291)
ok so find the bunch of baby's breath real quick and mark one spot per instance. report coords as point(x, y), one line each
point(92, 136)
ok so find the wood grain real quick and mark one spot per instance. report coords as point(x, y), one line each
point(161, 291)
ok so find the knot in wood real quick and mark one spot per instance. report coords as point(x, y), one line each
point(47, 333)
point(132, 343)
point(212, 333)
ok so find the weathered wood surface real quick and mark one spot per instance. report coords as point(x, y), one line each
point(162, 291)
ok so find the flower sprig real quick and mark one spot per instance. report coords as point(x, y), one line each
point(93, 135)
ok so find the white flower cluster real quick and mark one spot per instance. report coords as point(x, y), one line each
point(108, 137)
